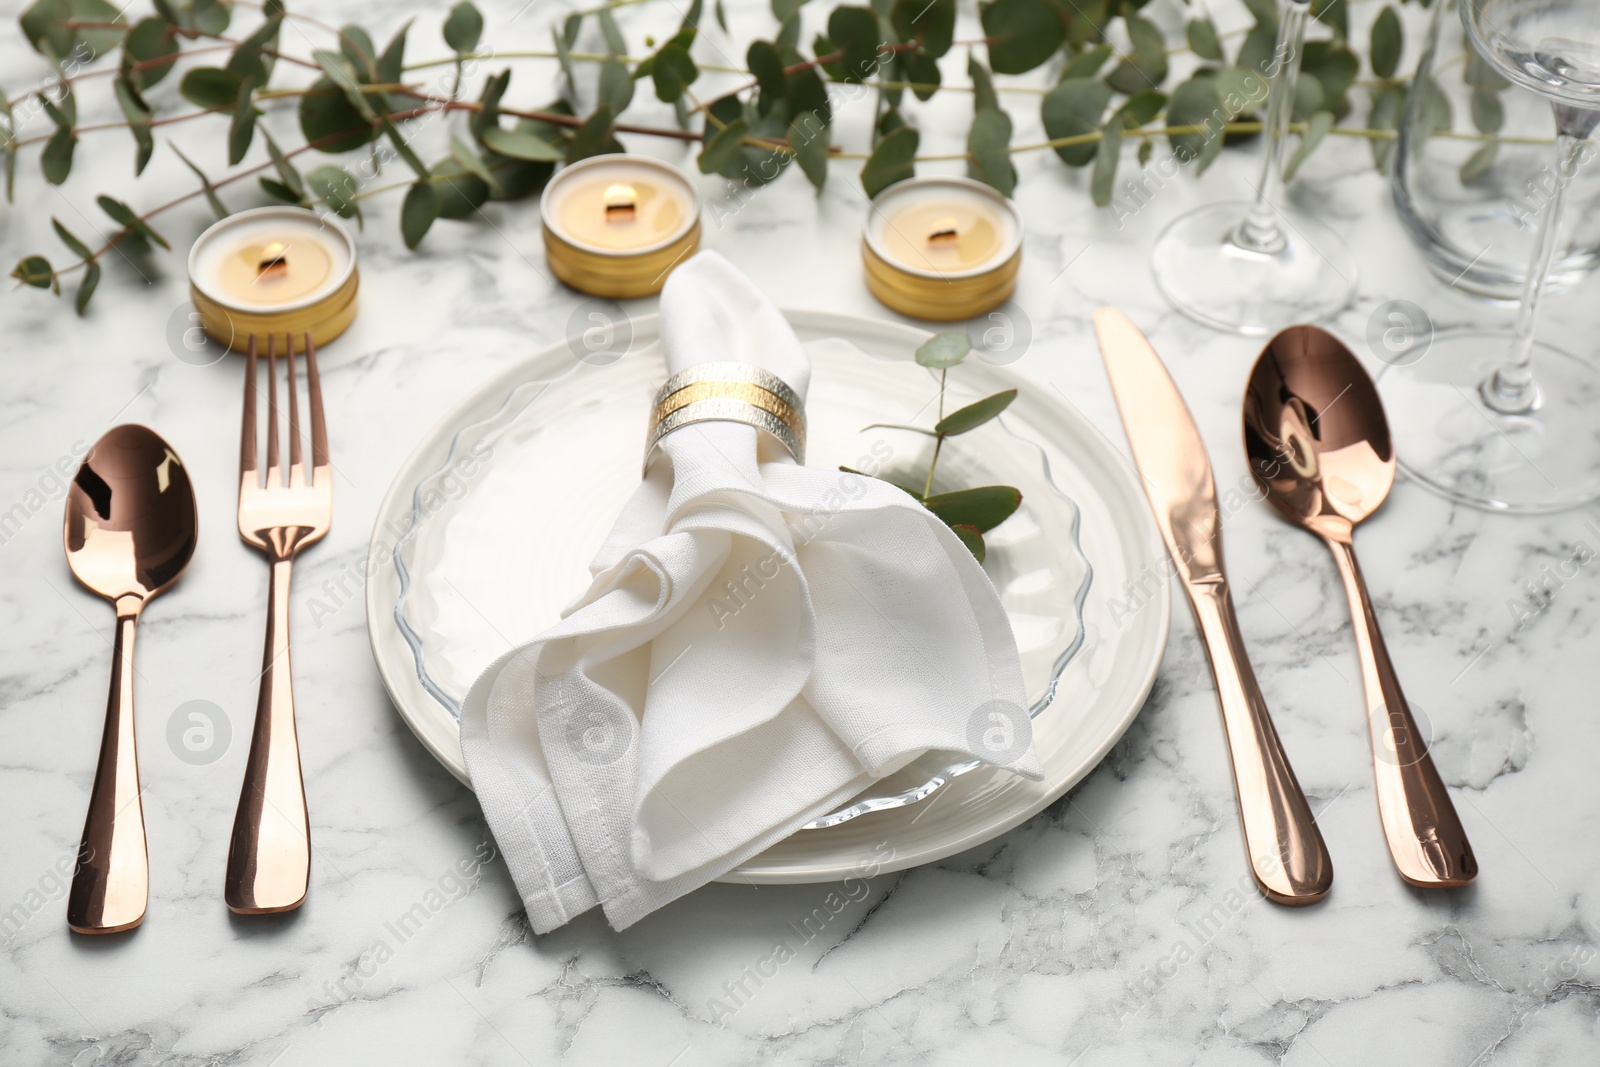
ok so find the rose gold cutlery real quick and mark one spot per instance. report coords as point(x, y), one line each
point(1319, 445)
point(269, 859)
point(1284, 848)
point(131, 527)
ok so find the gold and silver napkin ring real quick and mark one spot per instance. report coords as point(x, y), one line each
point(729, 392)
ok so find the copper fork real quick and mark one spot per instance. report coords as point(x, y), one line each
point(269, 859)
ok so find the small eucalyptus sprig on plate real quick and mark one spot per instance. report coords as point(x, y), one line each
point(971, 513)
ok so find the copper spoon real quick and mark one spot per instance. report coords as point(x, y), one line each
point(1319, 445)
point(130, 530)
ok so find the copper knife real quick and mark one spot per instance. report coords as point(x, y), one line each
point(1285, 849)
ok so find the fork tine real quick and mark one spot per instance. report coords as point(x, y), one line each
point(247, 436)
point(274, 464)
point(319, 430)
point(297, 475)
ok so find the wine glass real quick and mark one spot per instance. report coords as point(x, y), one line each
point(1476, 426)
point(1254, 268)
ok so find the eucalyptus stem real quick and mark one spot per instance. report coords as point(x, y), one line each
point(938, 439)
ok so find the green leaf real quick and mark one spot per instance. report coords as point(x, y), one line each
point(138, 116)
point(808, 136)
point(1488, 114)
point(922, 70)
point(1478, 164)
point(989, 151)
point(784, 10)
point(983, 91)
point(1388, 41)
point(1259, 47)
point(340, 73)
point(212, 199)
point(616, 45)
point(1087, 64)
point(1022, 34)
point(488, 116)
point(1146, 68)
point(242, 130)
point(78, 248)
point(1317, 128)
point(891, 161)
point(356, 47)
point(854, 32)
point(723, 147)
point(462, 28)
point(149, 40)
point(524, 144)
point(1201, 33)
point(1196, 102)
point(1106, 158)
point(287, 175)
point(45, 26)
point(964, 420)
point(65, 113)
point(1334, 14)
point(944, 350)
point(616, 85)
point(86, 288)
point(129, 220)
point(35, 271)
point(279, 191)
point(766, 67)
point(1141, 107)
point(335, 187)
point(392, 64)
point(673, 71)
point(984, 508)
point(249, 60)
point(972, 537)
point(1265, 13)
point(97, 41)
point(563, 42)
point(463, 154)
point(56, 160)
point(326, 113)
point(1073, 109)
point(460, 194)
point(210, 87)
point(1387, 107)
point(417, 212)
point(1335, 67)
point(930, 23)
point(594, 137)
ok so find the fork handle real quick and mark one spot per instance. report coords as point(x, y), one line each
point(112, 882)
point(1424, 833)
point(269, 860)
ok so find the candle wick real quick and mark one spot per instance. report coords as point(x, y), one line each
point(945, 234)
point(621, 203)
point(274, 261)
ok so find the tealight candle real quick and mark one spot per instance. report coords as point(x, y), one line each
point(274, 271)
point(616, 225)
point(942, 248)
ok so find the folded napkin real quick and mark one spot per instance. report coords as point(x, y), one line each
point(761, 641)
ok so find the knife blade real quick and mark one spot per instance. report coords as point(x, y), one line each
point(1283, 846)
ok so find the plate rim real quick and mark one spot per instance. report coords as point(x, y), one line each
point(447, 749)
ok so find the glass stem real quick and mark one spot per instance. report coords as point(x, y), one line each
point(1260, 232)
point(1510, 390)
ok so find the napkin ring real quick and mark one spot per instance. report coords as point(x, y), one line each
point(726, 391)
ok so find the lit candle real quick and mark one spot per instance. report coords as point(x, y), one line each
point(274, 271)
point(616, 225)
point(942, 248)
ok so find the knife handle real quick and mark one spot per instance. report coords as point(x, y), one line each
point(1287, 855)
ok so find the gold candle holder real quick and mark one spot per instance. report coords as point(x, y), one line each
point(944, 249)
point(616, 225)
point(274, 271)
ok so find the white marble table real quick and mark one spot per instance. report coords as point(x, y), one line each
point(1118, 927)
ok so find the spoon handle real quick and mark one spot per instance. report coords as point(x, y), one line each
point(269, 860)
point(1287, 855)
point(112, 882)
point(1425, 836)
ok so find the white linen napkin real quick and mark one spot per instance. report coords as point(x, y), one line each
point(760, 641)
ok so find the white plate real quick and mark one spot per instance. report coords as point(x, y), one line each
point(551, 445)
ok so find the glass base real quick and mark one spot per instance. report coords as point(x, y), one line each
point(1213, 280)
point(1450, 441)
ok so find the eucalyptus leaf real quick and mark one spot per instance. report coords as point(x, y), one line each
point(594, 137)
point(45, 25)
point(340, 73)
point(129, 219)
point(149, 41)
point(279, 191)
point(1201, 33)
point(524, 144)
point(1387, 107)
point(766, 67)
point(1195, 103)
point(1317, 128)
point(989, 151)
point(854, 32)
point(1488, 113)
point(1478, 164)
point(673, 71)
point(242, 130)
point(86, 287)
point(487, 117)
point(616, 44)
point(217, 206)
point(984, 94)
point(983, 508)
point(1087, 64)
point(78, 248)
point(356, 47)
point(1146, 67)
point(459, 194)
point(891, 161)
point(1022, 34)
point(944, 350)
point(1106, 158)
point(616, 85)
point(138, 116)
point(930, 23)
point(463, 154)
point(784, 10)
point(1388, 40)
point(392, 64)
point(969, 418)
point(210, 87)
point(336, 188)
point(922, 71)
point(1141, 107)
point(809, 138)
point(722, 148)
point(463, 27)
point(972, 538)
point(56, 160)
point(1265, 13)
point(288, 176)
point(35, 271)
point(1074, 109)
point(417, 212)
point(326, 114)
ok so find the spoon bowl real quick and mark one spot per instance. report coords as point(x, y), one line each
point(1319, 446)
point(131, 526)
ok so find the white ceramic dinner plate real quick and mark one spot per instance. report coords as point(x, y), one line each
point(486, 534)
